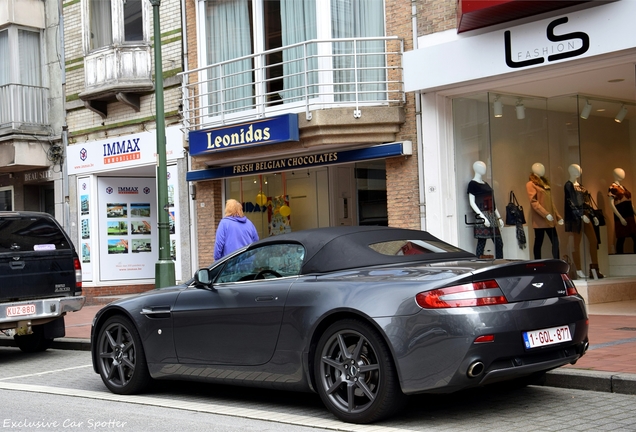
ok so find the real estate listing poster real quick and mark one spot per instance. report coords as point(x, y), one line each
point(85, 224)
point(127, 227)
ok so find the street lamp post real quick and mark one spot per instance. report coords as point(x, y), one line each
point(164, 268)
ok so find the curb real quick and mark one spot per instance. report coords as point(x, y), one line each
point(585, 379)
point(578, 379)
point(60, 343)
point(72, 344)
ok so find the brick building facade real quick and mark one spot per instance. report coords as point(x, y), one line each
point(336, 130)
point(110, 110)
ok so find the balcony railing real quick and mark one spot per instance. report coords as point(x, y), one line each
point(23, 108)
point(312, 75)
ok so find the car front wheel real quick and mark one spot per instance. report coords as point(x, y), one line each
point(355, 374)
point(121, 359)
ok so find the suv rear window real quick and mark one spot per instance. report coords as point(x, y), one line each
point(21, 234)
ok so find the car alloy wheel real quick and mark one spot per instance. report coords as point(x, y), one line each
point(121, 359)
point(354, 373)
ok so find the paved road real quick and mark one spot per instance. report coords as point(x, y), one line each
point(69, 373)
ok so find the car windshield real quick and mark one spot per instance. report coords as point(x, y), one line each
point(412, 247)
point(30, 234)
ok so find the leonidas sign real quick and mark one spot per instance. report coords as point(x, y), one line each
point(261, 132)
point(448, 58)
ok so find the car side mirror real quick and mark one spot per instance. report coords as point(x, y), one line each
point(202, 277)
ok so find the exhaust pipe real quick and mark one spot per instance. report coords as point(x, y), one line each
point(586, 346)
point(475, 369)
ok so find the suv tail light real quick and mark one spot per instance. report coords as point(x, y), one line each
point(484, 293)
point(569, 285)
point(78, 273)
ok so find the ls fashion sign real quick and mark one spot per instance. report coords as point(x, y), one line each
point(563, 46)
point(600, 30)
point(266, 131)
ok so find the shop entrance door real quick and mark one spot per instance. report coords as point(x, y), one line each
point(343, 195)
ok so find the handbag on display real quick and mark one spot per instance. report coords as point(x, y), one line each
point(597, 212)
point(514, 212)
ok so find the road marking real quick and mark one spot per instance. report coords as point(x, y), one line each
point(46, 372)
point(233, 411)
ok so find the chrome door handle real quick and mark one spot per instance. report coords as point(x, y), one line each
point(266, 298)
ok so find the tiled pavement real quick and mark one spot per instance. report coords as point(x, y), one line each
point(612, 344)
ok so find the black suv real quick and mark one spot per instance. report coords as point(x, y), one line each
point(40, 279)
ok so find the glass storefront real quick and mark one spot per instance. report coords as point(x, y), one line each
point(277, 203)
point(559, 154)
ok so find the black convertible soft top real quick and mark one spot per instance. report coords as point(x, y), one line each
point(340, 248)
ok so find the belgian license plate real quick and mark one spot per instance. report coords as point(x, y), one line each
point(547, 336)
point(21, 310)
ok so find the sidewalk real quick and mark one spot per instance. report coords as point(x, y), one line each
point(609, 364)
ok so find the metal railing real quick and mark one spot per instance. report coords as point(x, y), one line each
point(307, 76)
point(23, 105)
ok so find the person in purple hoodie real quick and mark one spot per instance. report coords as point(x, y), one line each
point(234, 231)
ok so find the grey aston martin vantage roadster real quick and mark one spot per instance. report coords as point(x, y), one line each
point(362, 315)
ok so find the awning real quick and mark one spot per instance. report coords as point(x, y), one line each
point(404, 148)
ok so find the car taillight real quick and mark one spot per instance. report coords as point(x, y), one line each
point(484, 293)
point(78, 273)
point(569, 285)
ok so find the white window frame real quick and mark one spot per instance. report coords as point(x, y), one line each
point(325, 61)
point(117, 14)
point(14, 50)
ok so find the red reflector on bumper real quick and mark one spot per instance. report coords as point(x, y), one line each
point(485, 338)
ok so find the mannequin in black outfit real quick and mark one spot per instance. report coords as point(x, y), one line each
point(480, 196)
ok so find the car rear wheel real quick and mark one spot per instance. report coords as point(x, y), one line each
point(355, 374)
point(120, 357)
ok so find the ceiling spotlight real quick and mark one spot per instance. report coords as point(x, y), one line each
point(587, 109)
point(498, 107)
point(521, 110)
point(621, 114)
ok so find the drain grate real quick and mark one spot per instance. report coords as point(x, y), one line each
point(627, 328)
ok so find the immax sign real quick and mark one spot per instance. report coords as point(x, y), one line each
point(124, 151)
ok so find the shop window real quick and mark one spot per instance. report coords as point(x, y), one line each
point(282, 202)
point(541, 149)
point(371, 190)
point(6, 198)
